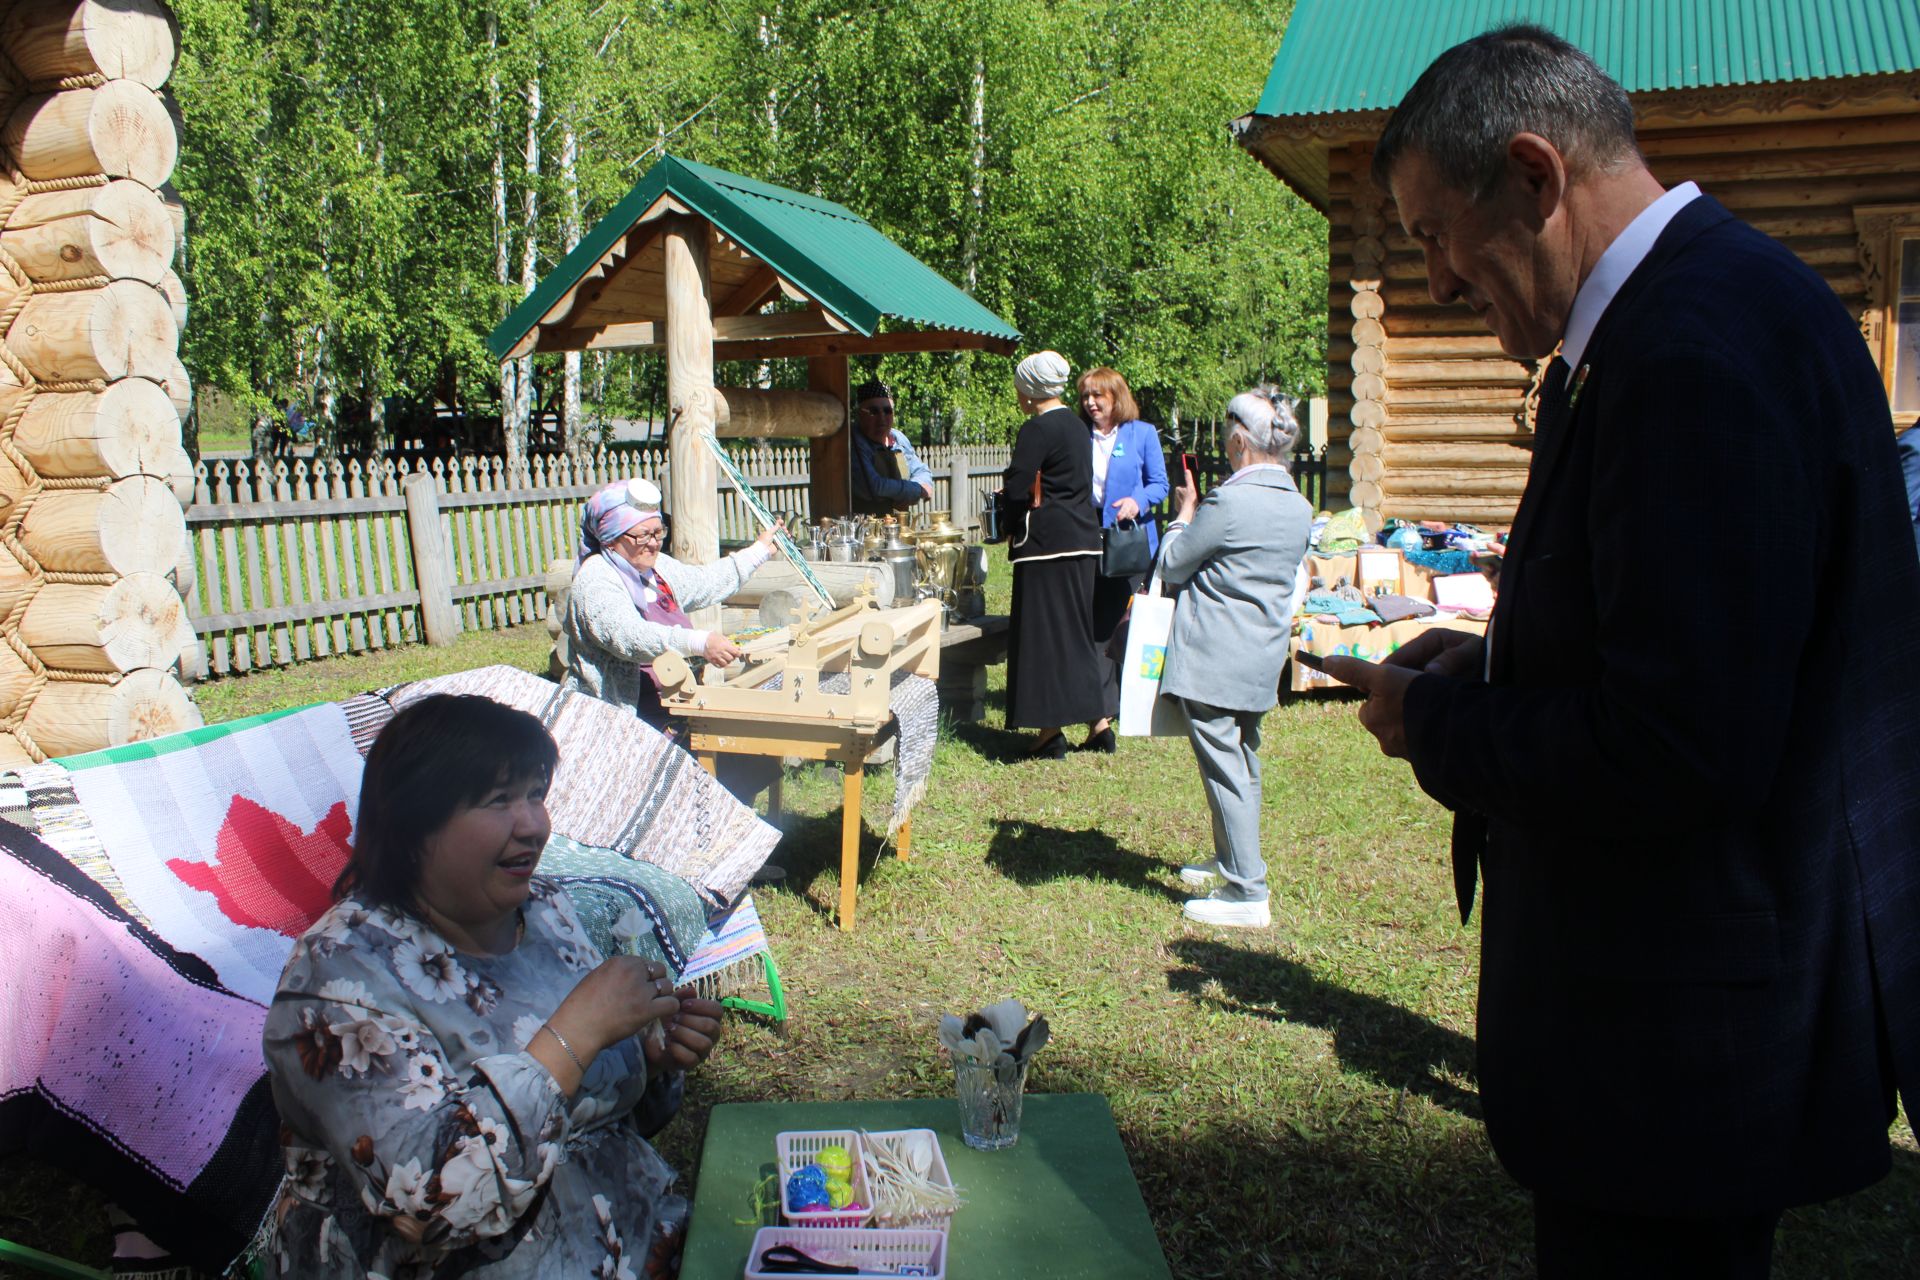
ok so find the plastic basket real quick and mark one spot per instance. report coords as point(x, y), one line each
point(796, 1150)
point(876, 1251)
point(936, 1174)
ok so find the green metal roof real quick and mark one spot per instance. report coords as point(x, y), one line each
point(1341, 56)
point(825, 250)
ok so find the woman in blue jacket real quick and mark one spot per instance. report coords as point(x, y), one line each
point(1129, 478)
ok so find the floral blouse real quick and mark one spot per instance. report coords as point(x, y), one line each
point(422, 1140)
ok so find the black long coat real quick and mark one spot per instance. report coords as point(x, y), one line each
point(1693, 782)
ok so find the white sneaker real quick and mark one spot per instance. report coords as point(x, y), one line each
point(1198, 873)
point(1232, 914)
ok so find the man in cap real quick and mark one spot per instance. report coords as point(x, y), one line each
point(1693, 797)
point(888, 476)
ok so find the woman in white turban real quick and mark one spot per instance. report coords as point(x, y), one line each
point(629, 600)
point(1054, 545)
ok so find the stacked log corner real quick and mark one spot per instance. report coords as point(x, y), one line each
point(94, 557)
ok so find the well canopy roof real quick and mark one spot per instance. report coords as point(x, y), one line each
point(1337, 56)
point(766, 241)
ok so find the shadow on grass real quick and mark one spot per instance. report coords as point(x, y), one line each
point(1028, 853)
point(1006, 746)
point(1396, 1046)
point(810, 846)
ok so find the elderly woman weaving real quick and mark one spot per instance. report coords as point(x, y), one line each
point(1238, 553)
point(460, 1075)
point(630, 599)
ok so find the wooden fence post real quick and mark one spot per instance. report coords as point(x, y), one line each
point(432, 567)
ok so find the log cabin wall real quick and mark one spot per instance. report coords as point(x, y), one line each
point(1430, 421)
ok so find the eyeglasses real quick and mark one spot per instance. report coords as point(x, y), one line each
point(878, 410)
point(648, 537)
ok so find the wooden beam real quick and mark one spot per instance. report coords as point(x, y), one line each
point(695, 477)
point(751, 294)
point(784, 324)
point(852, 344)
point(755, 331)
point(830, 458)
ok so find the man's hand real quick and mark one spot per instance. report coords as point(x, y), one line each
point(1386, 688)
point(927, 488)
point(1126, 509)
point(1442, 651)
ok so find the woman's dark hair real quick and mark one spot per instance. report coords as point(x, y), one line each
point(434, 758)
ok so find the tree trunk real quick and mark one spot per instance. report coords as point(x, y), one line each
point(519, 424)
point(570, 424)
point(502, 233)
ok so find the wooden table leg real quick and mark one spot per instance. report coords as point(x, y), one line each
point(710, 762)
point(903, 840)
point(775, 796)
point(850, 842)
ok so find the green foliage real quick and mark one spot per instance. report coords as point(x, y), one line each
point(1069, 162)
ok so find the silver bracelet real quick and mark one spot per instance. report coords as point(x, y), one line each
point(548, 1028)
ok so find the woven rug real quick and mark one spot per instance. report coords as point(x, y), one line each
point(916, 710)
point(624, 787)
point(732, 939)
point(126, 1062)
point(627, 906)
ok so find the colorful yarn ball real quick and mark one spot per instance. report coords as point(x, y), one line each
point(835, 1160)
point(807, 1188)
point(839, 1192)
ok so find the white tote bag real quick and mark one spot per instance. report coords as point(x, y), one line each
point(1144, 713)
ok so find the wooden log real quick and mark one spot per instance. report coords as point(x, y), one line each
point(120, 230)
point(15, 678)
point(139, 621)
point(132, 526)
point(1464, 455)
point(12, 752)
point(1366, 466)
point(175, 292)
point(68, 717)
point(179, 387)
point(1475, 482)
point(122, 330)
point(119, 39)
point(176, 466)
point(1464, 427)
point(129, 429)
point(14, 581)
point(1481, 511)
point(1365, 493)
point(749, 412)
point(694, 477)
point(842, 581)
point(121, 129)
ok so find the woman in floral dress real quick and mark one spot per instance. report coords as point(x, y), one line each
point(461, 1076)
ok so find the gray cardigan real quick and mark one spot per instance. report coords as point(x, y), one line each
point(1238, 560)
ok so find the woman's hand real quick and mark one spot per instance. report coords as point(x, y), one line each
point(691, 1034)
point(1185, 498)
point(1126, 509)
point(618, 999)
point(768, 534)
point(720, 651)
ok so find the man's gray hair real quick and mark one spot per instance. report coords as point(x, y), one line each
point(1265, 416)
point(1465, 108)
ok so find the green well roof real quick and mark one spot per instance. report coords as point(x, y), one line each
point(1339, 55)
point(824, 250)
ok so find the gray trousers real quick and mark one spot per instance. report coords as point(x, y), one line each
point(1227, 746)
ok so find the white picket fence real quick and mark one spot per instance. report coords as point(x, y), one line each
point(294, 561)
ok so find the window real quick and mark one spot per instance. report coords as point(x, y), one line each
point(1904, 379)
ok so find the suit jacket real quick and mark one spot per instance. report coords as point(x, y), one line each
point(1698, 775)
point(1137, 470)
point(1238, 560)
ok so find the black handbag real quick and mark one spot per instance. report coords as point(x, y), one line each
point(1123, 550)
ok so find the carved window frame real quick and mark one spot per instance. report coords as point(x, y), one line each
point(1881, 231)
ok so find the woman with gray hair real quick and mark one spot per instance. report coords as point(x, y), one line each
point(1237, 553)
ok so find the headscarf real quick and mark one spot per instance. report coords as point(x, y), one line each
point(1042, 375)
point(608, 514)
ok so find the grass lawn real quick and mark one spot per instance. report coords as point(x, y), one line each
point(1296, 1102)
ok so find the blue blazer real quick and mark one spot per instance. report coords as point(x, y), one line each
point(1695, 800)
point(1138, 471)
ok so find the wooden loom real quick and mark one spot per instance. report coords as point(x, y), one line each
point(736, 713)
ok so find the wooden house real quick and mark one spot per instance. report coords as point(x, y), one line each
point(1801, 116)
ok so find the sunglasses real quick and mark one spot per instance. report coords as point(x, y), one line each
point(878, 410)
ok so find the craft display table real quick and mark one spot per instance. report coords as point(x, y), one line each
point(1060, 1205)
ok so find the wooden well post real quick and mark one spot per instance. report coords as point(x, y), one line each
point(693, 477)
point(92, 538)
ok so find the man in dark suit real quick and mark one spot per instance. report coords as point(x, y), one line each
point(1691, 783)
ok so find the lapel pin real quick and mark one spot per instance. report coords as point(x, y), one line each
point(1579, 385)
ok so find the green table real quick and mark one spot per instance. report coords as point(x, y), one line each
point(1060, 1205)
